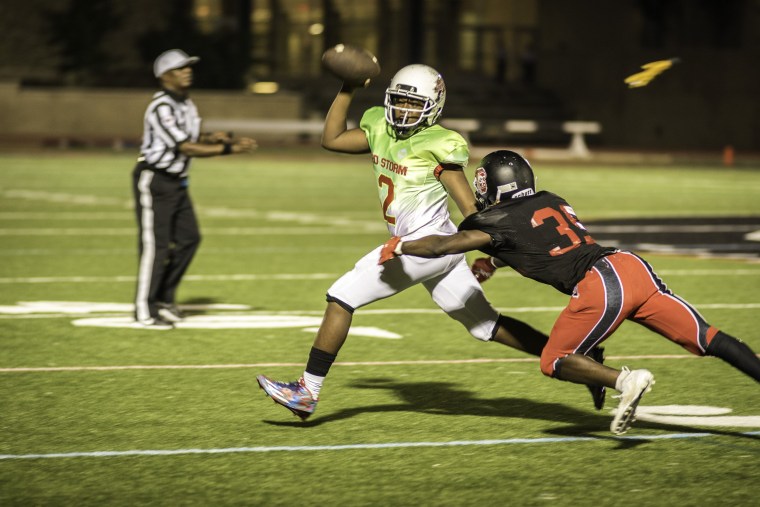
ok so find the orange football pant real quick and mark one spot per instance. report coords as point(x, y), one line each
point(623, 286)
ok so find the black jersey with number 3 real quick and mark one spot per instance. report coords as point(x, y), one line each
point(540, 237)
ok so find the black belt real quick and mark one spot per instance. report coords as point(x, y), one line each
point(142, 165)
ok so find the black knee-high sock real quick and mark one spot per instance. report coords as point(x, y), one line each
point(319, 362)
point(736, 353)
point(531, 339)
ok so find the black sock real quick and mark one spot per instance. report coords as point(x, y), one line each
point(736, 353)
point(319, 362)
point(531, 339)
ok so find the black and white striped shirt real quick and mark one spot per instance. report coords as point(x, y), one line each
point(169, 121)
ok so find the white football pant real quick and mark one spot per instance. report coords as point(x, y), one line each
point(448, 280)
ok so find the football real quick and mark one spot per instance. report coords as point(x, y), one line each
point(352, 64)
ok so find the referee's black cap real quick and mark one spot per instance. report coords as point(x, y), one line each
point(172, 59)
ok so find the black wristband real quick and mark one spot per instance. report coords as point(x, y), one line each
point(227, 149)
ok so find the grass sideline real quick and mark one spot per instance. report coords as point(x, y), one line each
point(414, 433)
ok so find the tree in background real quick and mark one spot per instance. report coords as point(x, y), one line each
point(113, 42)
point(224, 52)
point(77, 33)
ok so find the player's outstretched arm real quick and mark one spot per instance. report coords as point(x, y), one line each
point(435, 246)
point(336, 136)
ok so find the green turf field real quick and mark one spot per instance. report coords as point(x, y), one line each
point(117, 416)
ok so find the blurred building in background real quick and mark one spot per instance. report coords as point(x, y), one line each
point(109, 42)
point(537, 60)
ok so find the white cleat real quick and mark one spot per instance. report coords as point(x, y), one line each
point(635, 385)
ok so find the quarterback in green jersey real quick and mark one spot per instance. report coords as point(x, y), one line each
point(418, 165)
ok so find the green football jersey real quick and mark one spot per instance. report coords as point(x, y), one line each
point(414, 202)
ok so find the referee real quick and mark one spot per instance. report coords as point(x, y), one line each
point(168, 229)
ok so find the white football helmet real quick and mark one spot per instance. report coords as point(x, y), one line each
point(414, 98)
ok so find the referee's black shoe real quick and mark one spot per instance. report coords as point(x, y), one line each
point(170, 313)
point(157, 324)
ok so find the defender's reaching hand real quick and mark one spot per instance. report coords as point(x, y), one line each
point(390, 250)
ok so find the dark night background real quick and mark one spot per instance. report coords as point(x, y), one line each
point(551, 60)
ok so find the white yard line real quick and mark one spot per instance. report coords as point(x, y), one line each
point(671, 228)
point(322, 276)
point(64, 197)
point(210, 231)
point(290, 365)
point(67, 215)
point(91, 252)
point(192, 278)
point(204, 211)
point(388, 311)
point(345, 447)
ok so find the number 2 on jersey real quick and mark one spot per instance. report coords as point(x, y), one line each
point(385, 180)
point(563, 228)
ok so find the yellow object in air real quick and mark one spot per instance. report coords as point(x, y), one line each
point(651, 70)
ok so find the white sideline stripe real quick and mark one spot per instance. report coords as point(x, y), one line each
point(390, 445)
point(322, 276)
point(282, 365)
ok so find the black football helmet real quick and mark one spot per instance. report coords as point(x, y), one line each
point(503, 175)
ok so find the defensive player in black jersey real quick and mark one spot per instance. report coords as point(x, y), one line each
point(539, 235)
